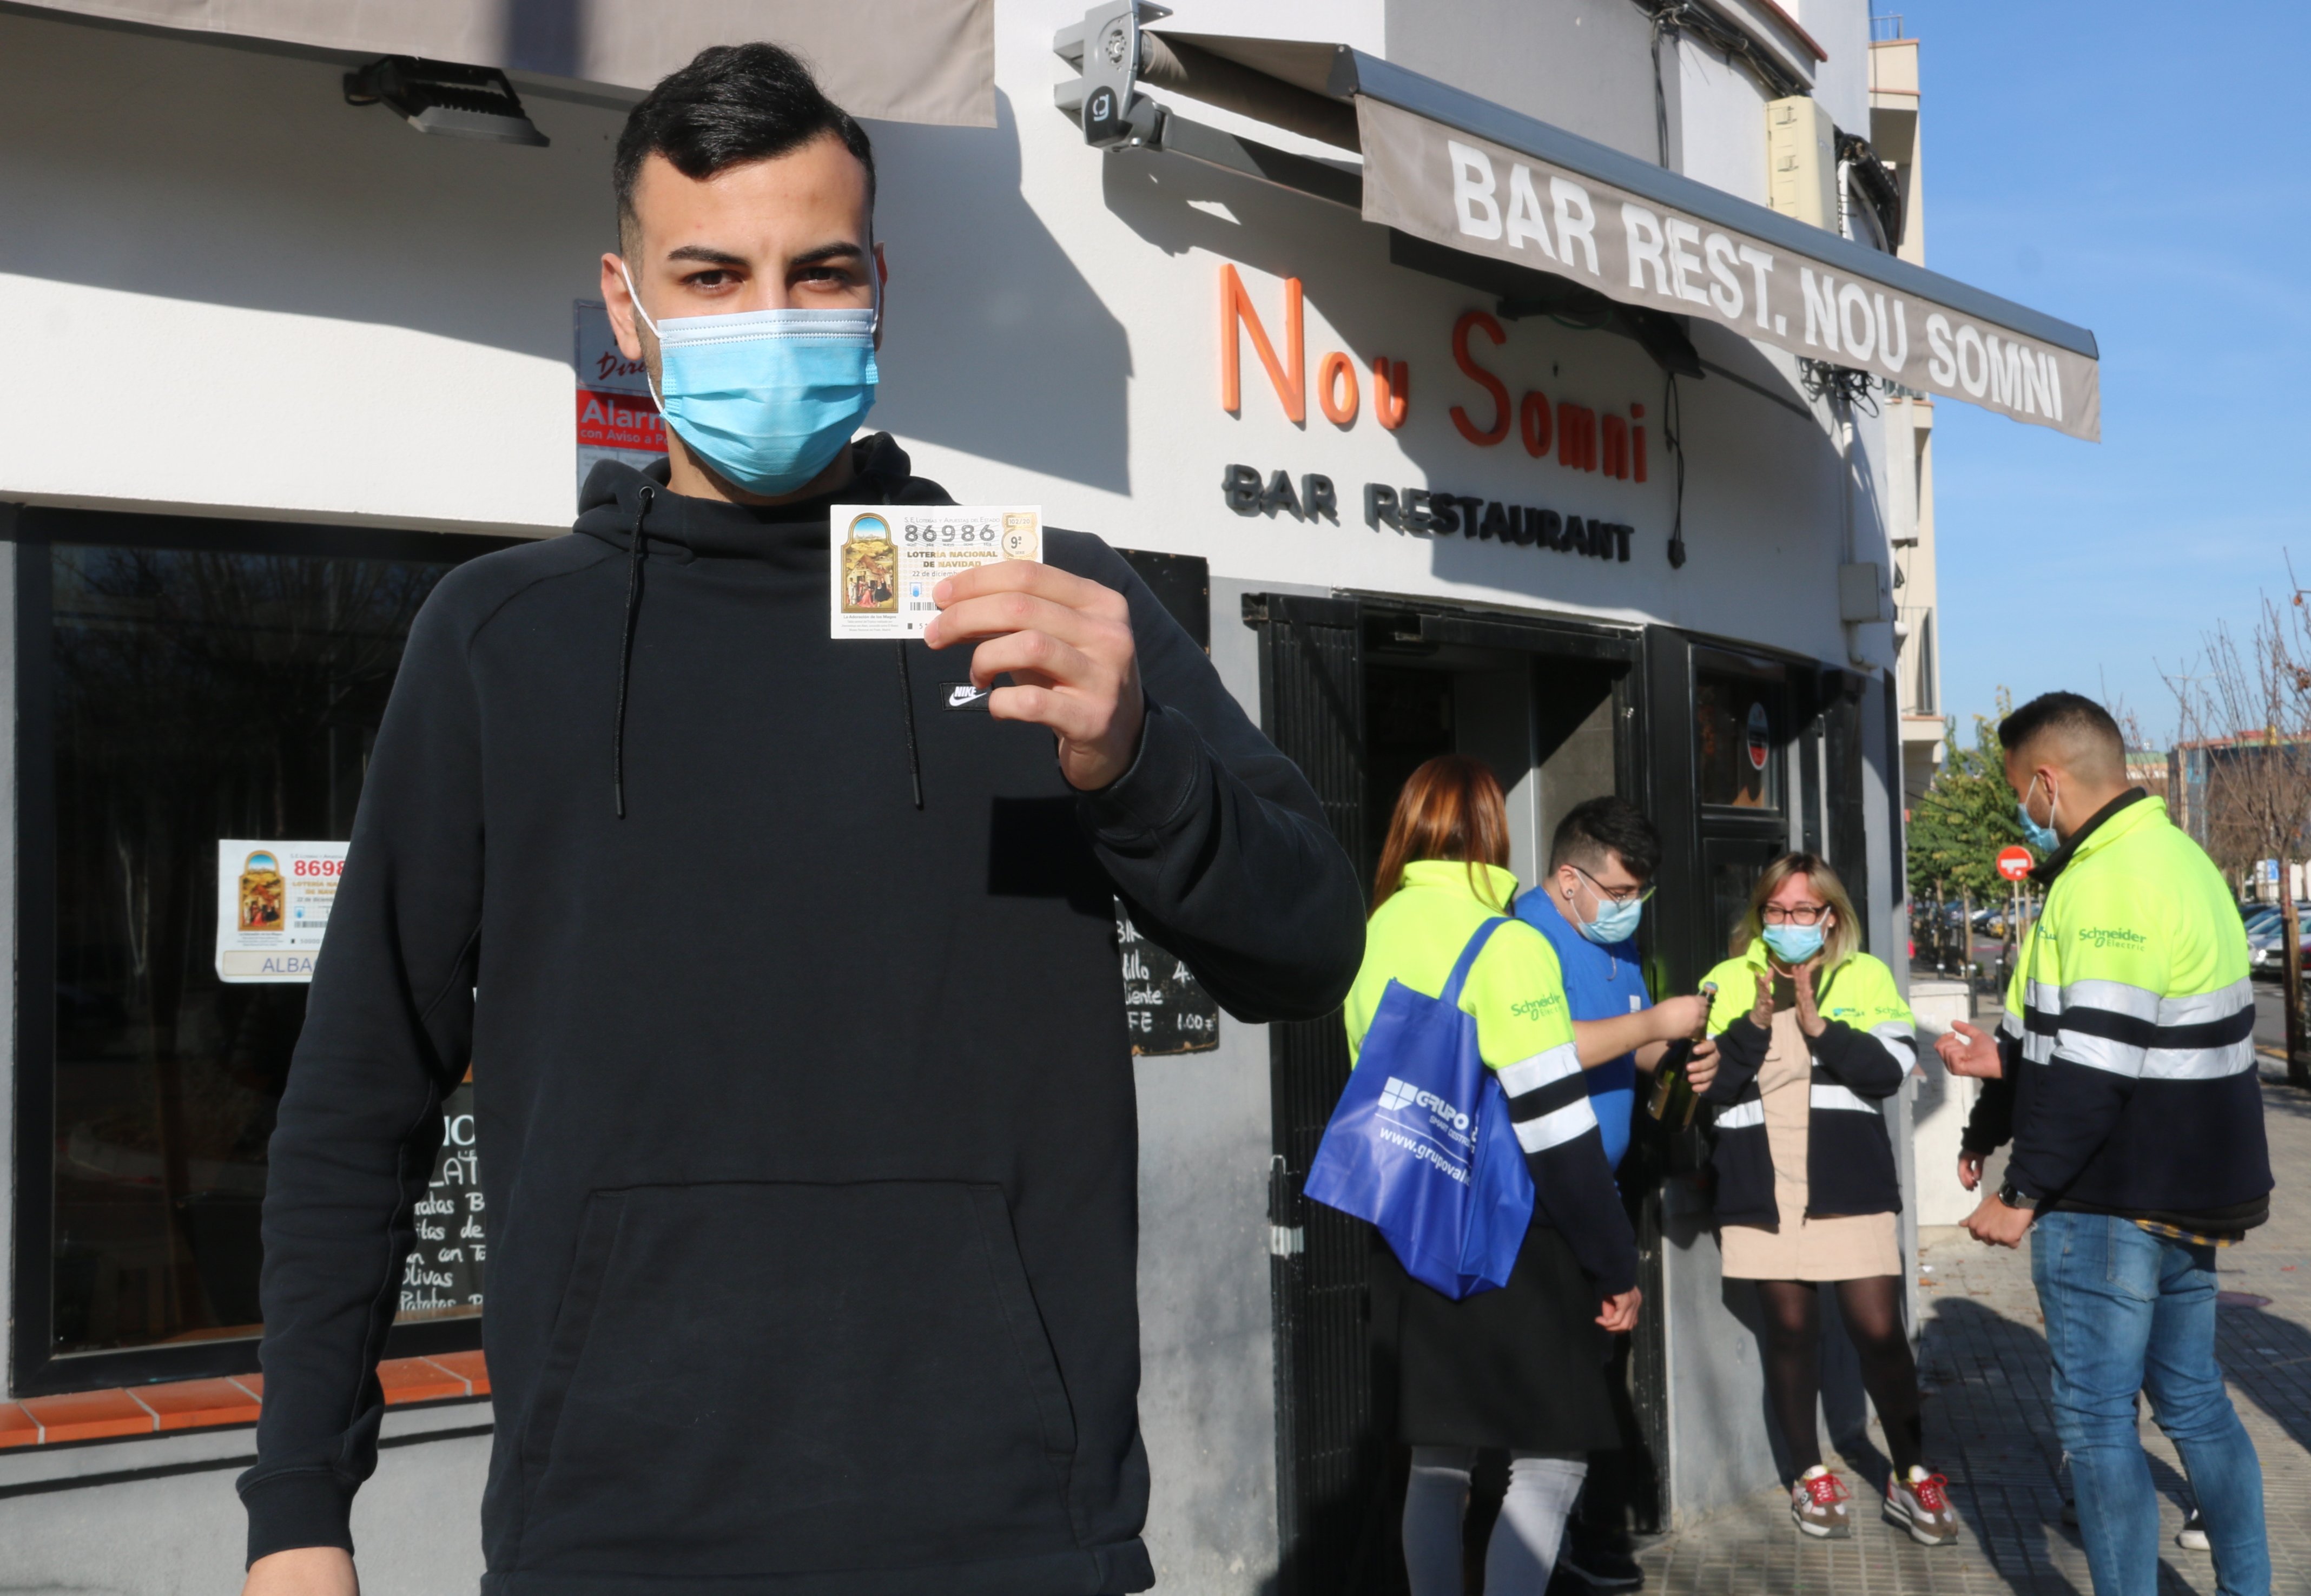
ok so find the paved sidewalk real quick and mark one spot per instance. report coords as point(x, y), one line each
point(1989, 1427)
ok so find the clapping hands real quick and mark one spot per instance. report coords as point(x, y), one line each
point(1761, 1013)
point(1801, 981)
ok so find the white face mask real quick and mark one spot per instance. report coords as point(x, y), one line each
point(2043, 837)
point(1614, 922)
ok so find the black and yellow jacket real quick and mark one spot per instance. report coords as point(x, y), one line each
point(2129, 1083)
point(1870, 1045)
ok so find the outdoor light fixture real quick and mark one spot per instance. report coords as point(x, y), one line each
point(446, 97)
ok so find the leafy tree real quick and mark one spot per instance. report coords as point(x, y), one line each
point(1962, 821)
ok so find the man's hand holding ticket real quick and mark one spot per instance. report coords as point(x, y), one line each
point(1065, 641)
point(955, 574)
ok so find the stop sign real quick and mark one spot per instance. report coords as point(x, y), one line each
point(2014, 863)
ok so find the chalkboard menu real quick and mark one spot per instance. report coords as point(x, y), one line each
point(442, 1278)
point(1164, 1008)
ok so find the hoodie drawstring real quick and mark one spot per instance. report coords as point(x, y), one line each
point(907, 706)
point(627, 657)
point(626, 661)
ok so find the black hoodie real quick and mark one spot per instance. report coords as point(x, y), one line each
point(806, 1114)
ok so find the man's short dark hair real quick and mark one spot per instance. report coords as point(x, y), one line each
point(1589, 830)
point(2081, 723)
point(732, 104)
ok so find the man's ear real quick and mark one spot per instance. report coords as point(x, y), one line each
point(618, 301)
point(882, 295)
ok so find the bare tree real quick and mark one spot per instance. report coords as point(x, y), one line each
point(2245, 722)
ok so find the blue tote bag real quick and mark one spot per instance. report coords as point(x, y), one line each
point(1421, 1145)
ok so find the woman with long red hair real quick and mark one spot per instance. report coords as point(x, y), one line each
point(1524, 1368)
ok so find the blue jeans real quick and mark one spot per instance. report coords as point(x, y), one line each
point(2130, 1312)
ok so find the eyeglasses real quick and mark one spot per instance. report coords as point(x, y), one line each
point(1798, 914)
point(1612, 894)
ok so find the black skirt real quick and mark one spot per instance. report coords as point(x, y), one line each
point(1525, 1367)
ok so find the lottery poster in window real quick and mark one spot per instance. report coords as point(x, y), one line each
point(273, 907)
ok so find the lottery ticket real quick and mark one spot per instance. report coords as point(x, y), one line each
point(889, 557)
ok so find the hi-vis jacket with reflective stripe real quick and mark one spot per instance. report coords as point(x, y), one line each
point(1868, 1044)
point(2130, 1029)
point(1517, 993)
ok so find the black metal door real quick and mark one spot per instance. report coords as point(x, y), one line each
point(1331, 1454)
point(1848, 827)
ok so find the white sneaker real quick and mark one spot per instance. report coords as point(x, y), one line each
point(2193, 1536)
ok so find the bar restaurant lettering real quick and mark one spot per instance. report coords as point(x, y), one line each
point(1581, 438)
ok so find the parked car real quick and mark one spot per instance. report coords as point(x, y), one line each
point(2266, 939)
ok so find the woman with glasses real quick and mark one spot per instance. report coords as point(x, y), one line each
point(1812, 1034)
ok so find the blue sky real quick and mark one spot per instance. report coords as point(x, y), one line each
point(2133, 168)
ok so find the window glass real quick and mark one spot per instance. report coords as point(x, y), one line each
point(196, 696)
point(1408, 722)
point(1738, 730)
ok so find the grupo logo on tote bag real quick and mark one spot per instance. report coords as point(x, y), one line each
point(1445, 1185)
point(1398, 1095)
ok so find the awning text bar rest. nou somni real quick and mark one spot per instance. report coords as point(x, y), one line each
point(1464, 172)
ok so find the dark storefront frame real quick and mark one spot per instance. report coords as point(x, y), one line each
point(37, 1366)
point(1335, 1531)
point(1332, 1453)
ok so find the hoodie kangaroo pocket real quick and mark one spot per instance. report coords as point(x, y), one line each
point(752, 1379)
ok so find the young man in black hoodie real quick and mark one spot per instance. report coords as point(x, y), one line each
point(806, 1103)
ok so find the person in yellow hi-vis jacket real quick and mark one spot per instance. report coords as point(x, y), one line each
point(1524, 1367)
point(1812, 1034)
point(2124, 1073)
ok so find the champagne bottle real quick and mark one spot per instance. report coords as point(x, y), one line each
point(1672, 1102)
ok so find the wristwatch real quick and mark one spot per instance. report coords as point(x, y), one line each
point(2012, 1199)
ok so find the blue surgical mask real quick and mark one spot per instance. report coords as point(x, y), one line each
point(765, 397)
point(1794, 945)
point(1614, 922)
point(2040, 838)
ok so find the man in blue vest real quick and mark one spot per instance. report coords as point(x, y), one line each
point(1601, 869)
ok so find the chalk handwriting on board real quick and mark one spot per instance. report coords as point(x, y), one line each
point(442, 1277)
point(1164, 1008)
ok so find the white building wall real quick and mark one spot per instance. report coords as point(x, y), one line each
point(1582, 65)
point(1842, 82)
point(160, 1517)
point(310, 311)
point(232, 293)
point(235, 295)
point(1723, 125)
